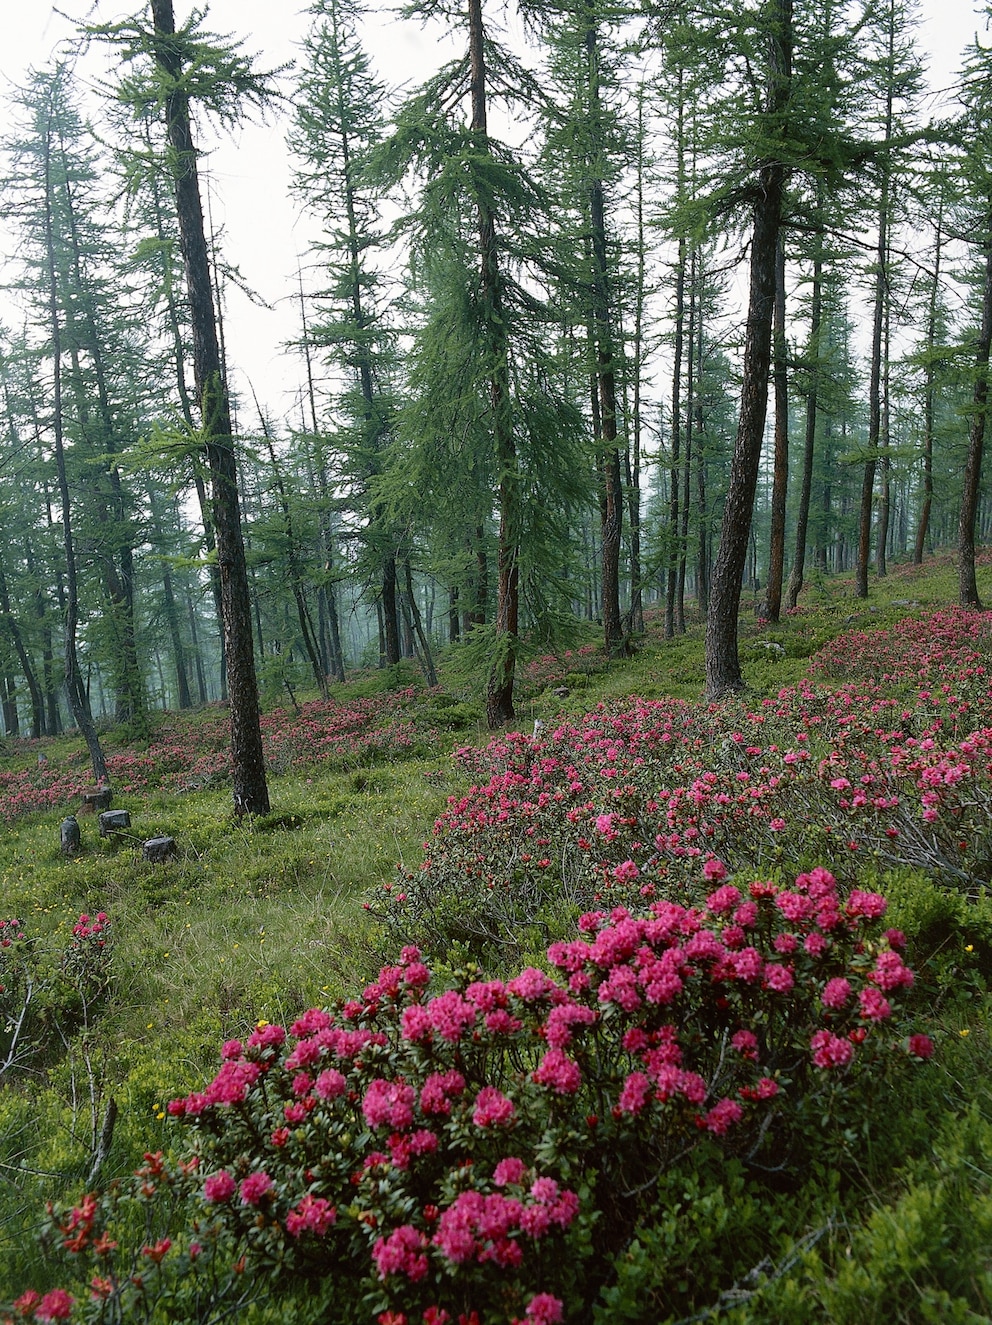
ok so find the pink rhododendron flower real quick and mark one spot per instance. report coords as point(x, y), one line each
point(746, 1043)
point(714, 871)
point(626, 872)
point(402, 1252)
point(544, 1309)
point(56, 1305)
point(830, 1051)
point(232, 1082)
point(311, 1215)
point(557, 1071)
point(870, 905)
point(545, 1191)
point(437, 1090)
point(509, 1172)
point(637, 1090)
point(778, 978)
point(389, 1103)
point(723, 899)
point(255, 1188)
point(722, 1117)
point(329, 1085)
point(889, 972)
point(416, 1023)
point(312, 1021)
point(219, 1187)
point(266, 1037)
point(921, 1046)
point(836, 992)
point(531, 984)
point(874, 1005)
point(493, 1109)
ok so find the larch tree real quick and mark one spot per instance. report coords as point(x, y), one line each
point(40, 196)
point(480, 359)
point(895, 75)
point(975, 174)
point(775, 42)
point(175, 70)
point(587, 145)
point(339, 118)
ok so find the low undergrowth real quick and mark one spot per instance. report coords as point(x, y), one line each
point(684, 1011)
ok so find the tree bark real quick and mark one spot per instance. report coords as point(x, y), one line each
point(809, 440)
point(250, 790)
point(499, 688)
point(723, 670)
point(968, 595)
point(780, 476)
point(75, 690)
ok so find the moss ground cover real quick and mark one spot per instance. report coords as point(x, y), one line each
point(683, 1011)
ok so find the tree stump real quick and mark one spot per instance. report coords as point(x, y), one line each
point(159, 848)
point(113, 821)
point(70, 838)
point(98, 799)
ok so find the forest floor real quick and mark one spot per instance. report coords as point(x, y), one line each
point(255, 920)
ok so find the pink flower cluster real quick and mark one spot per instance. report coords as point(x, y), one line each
point(676, 1020)
point(486, 1228)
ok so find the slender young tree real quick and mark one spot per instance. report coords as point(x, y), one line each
point(897, 72)
point(339, 118)
point(976, 178)
point(483, 390)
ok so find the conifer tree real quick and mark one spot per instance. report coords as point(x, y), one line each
point(171, 71)
point(479, 221)
point(339, 119)
point(975, 173)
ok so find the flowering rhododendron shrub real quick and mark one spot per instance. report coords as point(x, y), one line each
point(321, 733)
point(479, 1152)
point(71, 979)
point(596, 811)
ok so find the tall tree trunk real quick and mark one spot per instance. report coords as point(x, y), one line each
point(17, 639)
point(250, 791)
point(634, 450)
point(967, 583)
point(884, 458)
point(878, 326)
point(678, 349)
point(723, 671)
point(499, 688)
point(602, 323)
point(417, 627)
point(390, 614)
point(809, 439)
point(112, 513)
point(170, 606)
point(293, 568)
point(75, 690)
point(929, 393)
point(780, 478)
point(702, 518)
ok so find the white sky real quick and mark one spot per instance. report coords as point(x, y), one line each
point(248, 176)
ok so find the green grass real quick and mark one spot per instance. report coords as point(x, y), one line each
point(259, 920)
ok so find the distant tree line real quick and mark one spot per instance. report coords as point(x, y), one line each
point(527, 392)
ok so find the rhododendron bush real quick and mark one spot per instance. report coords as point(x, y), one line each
point(319, 733)
point(480, 1152)
point(630, 799)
